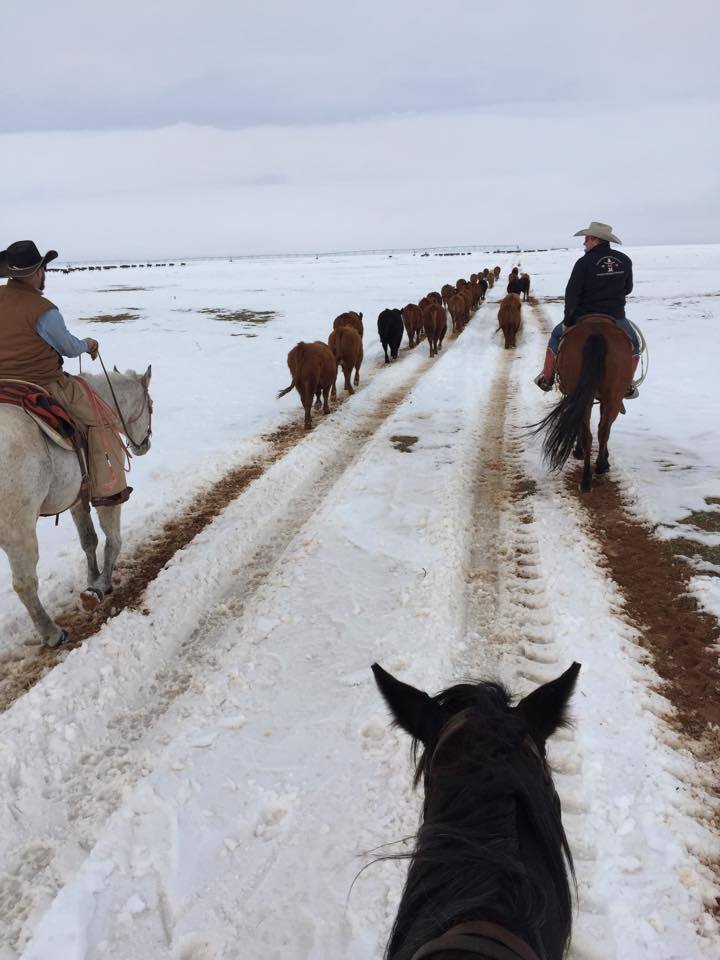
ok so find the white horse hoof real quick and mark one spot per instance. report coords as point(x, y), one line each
point(91, 599)
point(59, 640)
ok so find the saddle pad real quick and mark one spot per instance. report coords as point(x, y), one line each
point(50, 416)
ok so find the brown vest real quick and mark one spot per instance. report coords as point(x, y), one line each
point(24, 355)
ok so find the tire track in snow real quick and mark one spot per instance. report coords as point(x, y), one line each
point(509, 630)
point(87, 786)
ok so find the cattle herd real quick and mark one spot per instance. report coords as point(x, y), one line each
point(314, 366)
point(109, 266)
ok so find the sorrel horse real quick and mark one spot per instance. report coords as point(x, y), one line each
point(594, 362)
point(489, 872)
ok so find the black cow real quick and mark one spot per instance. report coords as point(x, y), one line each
point(390, 331)
point(519, 285)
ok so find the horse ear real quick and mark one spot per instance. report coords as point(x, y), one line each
point(545, 709)
point(412, 709)
point(145, 379)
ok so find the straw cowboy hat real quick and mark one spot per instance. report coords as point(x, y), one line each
point(603, 231)
point(22, 259)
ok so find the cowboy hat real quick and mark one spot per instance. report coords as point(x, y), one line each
point(22, 259)
point(603, 231)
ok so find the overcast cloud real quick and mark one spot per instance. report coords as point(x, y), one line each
point(186, 129)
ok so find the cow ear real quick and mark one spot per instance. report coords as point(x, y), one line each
point(545, 709)
point(412, 709)
point(145, 379)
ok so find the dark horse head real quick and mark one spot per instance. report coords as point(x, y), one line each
point(491, 845)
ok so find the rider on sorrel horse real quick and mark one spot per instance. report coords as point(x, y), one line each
point(598, 284)
point(489, 873)
point(595, 362)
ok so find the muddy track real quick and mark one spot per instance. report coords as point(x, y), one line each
point(681, 639)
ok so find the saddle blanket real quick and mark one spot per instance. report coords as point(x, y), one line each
point(52, 418)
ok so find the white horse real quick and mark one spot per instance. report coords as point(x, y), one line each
point(40, 477)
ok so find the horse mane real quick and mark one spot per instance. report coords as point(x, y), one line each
point(481, 781)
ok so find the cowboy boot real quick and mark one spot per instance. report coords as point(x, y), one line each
point(546, 379)
point(633, 391)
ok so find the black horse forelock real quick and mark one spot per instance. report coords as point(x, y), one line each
point(484, 786)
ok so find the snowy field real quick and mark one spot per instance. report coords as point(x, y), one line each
point(205, 782)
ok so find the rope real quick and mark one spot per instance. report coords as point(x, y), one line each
point(644, 354)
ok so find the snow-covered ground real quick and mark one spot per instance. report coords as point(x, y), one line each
point(204, 782)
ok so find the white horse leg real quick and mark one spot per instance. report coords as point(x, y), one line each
point(88, 540)
point(22, 552)
point(110, 522)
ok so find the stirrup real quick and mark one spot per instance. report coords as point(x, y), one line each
point(632, 394)
point(542, 383)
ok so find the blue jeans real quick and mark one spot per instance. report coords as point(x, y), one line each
point(622, 322)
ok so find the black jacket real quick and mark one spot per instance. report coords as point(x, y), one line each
point(599, 283)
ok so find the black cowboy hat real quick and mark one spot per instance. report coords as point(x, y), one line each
point(22, 259)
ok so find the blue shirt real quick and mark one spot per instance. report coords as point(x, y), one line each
point(51, 327)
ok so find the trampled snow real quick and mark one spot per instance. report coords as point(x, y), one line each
point(207, 781)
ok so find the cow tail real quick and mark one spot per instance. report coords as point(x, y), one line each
point(562, 424)
point(281, 393)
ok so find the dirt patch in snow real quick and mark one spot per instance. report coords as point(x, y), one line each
point(681, 637)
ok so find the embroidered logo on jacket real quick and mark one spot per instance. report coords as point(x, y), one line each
point(609, 265)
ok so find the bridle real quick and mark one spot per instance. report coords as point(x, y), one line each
point(486, 939)
point(489, 940)
point(147, 404)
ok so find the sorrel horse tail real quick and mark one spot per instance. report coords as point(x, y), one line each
point(564, 421)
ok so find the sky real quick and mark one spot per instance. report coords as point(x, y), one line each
point(182, 129)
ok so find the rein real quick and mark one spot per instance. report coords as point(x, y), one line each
point(134, 419)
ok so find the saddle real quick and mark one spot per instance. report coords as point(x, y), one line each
point(50, 416)
point(53, 420)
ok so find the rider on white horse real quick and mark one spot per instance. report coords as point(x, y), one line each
point(33, 341)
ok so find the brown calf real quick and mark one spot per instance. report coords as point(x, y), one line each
point(435, 324)
point(313, 370)
point(509, 319)
point(349, 319)
point(347, 347)
point(447, 290)
point(412, 318)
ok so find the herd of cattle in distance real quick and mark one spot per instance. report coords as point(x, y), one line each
point(109, 266)
point(314, 366)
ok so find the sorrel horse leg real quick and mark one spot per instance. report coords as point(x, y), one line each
point(586, 441)
point(606, 421)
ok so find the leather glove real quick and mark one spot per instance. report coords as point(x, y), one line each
point(93, 347)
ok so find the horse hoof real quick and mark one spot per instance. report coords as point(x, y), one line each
point(91, 599)
point(58, 641)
